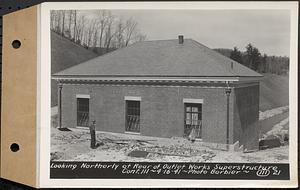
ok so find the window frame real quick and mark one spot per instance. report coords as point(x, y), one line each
point(127, 101)
point(86, 97)
point(199, 105)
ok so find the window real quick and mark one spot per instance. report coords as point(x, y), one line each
point(193, 119)
point(83, 112)
point(132, 116)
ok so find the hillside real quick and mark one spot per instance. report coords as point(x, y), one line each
point(274, 91)
point(224, 51)
point(64, 54)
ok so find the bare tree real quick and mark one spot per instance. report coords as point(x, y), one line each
point(75, 25)
point(56, 18)
point(58, 22)
point(68, 31)
point(119, 42)
point(109, 34)
point(90, 32)
point(105, 30)
point(95, 35)
point(103, 22)
point(80, 29)
point(131, 26)
point(52, 19)
point(63, 15)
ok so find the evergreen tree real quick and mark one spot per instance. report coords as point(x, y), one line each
point(263, 67)
point(252, 57)
point(236, 55)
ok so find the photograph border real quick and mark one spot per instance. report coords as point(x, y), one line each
point(44, 92)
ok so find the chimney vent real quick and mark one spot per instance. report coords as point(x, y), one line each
point(180, 39)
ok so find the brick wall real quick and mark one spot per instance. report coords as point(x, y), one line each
point(162, 110)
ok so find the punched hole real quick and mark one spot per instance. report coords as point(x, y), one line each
point(14, 147)
point(16, 44)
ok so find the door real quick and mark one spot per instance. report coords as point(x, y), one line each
point(83, 112)
point(132, 116)
point(193, 119)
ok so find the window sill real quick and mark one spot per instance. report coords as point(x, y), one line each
point(80, 127)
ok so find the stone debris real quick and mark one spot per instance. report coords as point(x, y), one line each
point(270, 142)
point(56, 155)
point(74, 145)
point(152, 148)
point(178, 151)
point(71, 137)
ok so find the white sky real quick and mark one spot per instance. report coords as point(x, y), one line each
point(268, 30)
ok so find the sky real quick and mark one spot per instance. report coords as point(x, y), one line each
point(268, 30)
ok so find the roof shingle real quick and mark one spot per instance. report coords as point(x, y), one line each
point(161, 58)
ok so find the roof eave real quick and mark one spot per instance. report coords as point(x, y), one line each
point(159, 78)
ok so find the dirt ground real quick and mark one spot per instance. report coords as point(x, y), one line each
point(75, 145)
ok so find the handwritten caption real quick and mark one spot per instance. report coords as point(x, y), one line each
point(260, 170)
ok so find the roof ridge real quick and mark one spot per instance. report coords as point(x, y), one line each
point(164, 40)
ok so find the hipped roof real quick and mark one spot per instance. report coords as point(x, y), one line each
point(161, 58)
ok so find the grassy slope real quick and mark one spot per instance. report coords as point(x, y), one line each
point(274, 91)
point(64, 54)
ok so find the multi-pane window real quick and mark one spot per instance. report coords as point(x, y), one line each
point(193, 119)
point(83, 112)
point(132, 116)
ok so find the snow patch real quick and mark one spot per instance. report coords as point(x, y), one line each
point(270, 113)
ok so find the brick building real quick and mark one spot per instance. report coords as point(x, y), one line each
point(164, 88)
